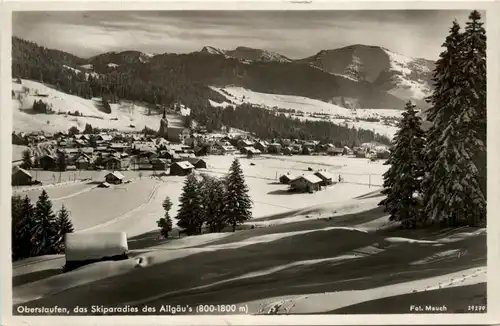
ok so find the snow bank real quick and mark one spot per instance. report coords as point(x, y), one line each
point(93, 246)
point(324, 302)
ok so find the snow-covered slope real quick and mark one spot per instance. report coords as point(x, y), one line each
point(125, 116)
point(311, 109)
point(247, 54)
point(402, 76)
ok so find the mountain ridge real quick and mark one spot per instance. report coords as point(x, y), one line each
point(254, 69)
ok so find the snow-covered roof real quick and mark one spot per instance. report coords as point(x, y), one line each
point(90, 246)
point(324, 175)
point(184, 165)
point(117, 175)
point(310, 178)
point(18, 169)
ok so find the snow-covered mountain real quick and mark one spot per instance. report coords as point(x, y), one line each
point(402, 76)
point(248, 54)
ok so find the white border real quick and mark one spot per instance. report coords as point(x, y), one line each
point(493, 35)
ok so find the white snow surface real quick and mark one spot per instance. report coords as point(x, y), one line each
point(312, 109)
point(124, 115)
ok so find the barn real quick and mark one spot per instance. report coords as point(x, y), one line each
point(181, 168)
point(86, 248)
point(47, 162)
point(306, 183)
point(114, 178)
point(198, 163)
point(21, 177)
point(326, 178)
point(286, 178)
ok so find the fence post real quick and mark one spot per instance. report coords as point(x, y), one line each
point(369, 181)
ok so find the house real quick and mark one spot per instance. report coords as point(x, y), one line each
point(252, 152)
point(21, 177)
point(347, 151)
point(226, 149)
point(82, 162)
point(383, 154)
point(197, 163)
point(181, 168)
point(112, 163)
point(159, 164)
point(288, 150)
point(360, 153)
point(242, 143)
point(104, 138)
point(47, 162)
point(286, 178)
point(114, 178)
point(326, 178)
point(19, 139)
point(335, 151)
point(261, 146)
point(86, 248)
point(306, 183)
point(274, 148)
point(177, 134)
point(119, 147)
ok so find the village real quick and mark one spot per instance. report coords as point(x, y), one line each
point(178, 152)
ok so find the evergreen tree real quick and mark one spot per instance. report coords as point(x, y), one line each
point(61, 161)
point(45, 233)
point(88, 129)
point(73, 131)
point(190, 214)
point(17, 215)
point(452, 187)
point(238, 205)
point(402, 182)
point(212, 191)
point(165, 223)
point(63, 226)
point(27, 160)
point(473, 68)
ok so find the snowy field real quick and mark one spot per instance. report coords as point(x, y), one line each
point(123, 116)
point(330, 112)
point(134, 208)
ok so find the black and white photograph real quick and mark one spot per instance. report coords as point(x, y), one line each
point(248, 162)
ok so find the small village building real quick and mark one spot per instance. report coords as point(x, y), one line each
point(288, 150)
point(181, 168)
point(274, 148)
point(119, 147)
point(326, 178)
point(47, 162)
point(306, 183)
point(114, 178)
point(197, 163)
point(245, 143)
point(261, 146)
point(21, 177)
point(104, 138)
point(347, 151)
point(86, 248)
point(286, 178)
point(159, 164)
point(112, 163)
point(335, 151)
point(19, 139)
point(252, 152)
point(82, 162)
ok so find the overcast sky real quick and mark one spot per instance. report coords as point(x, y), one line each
point(296, 34)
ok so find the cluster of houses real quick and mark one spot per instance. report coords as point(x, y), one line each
point(307, 183)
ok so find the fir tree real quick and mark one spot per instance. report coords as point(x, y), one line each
point(238, 205)
point(453, 182)
point(190, 214)
point(212, 191)
point(73, 131)
point(45, 233)
point(61, 161)
point(473, 69)
point(27, 160)
point(88, 129)
point(63, 226)
point(402, 182)
point(165, 223)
